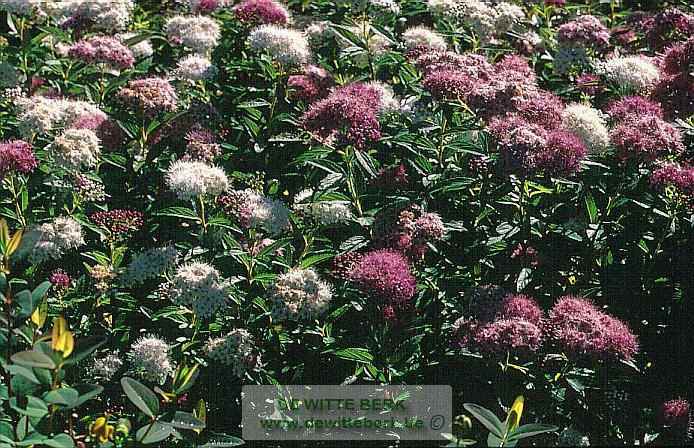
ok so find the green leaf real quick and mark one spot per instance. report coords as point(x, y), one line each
point(60, 441)
point(141, 396)
point(87, 392)
point(178, 212)
point(26, 303)
point(487, 418)
point(33, 359)
point(26, 372)
point(524, 278)
point(83, 348)
point(40, 291)
point(65, 396)
point(217, 440)
point(529, 430)
point(184, 420)
point(314, 259)
point(355, 354)
point(157, 433)
point(35, 407)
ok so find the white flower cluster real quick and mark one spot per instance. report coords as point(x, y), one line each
point(569, 56)
point(103, 15)
point(141, 49)
point(151, 264)
point(636, 73)
point(425, 37)
point(106, 367)
point(270, 214)
point(236, 350)
point(589, 124)
point(389, 102)
point(149, 359)
point(284, 45)
point(200, 286)
point(189, 179)
point(195, 68)
point(75, 149)
point(484, 19)
point(388, 5)
point(199, 33)
point(299, 294)
point(318, 32)
point(38, 114)
point(49, 241)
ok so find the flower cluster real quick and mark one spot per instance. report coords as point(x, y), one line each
point(149, 96)
point(237, 350)
point(149, 359)
point(299, 294)
point(312, 85)
point(582, 330)
point(106, 367)
point(103, 49)
point(261, 12)
point(151, 264)
point(16, 156)
point(385, 274)
point(284, 45)
point(51, 240)
point(200, 34)
point(585, 31)
point(251, 209)
point(195, 68)
point(679, 177)
point(675, 90)
point(199, 286)
point(119, 222)
point(190, 179)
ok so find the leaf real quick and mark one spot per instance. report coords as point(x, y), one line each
point(487, 418)
point(26, 303)
point(33, 359)
point(60, 441)
point(217, 440)
point(178, 212)
point(314, 259)
point(85, 347)
point(40, 291)
point(13, 244)
point(65, 396)
point(141, 396)
point(524, 278)
point(156, 433)
point(86, 392)
point(591, 208)
point(35, 407)
point(515, 414)
point(529, 430)
point(184, 420)
point(26, 372)
point(355, 354)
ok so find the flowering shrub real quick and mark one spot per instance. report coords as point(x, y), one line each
point(198, 195)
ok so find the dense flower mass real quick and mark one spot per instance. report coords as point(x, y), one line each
point(202, 195)
point(284, 45)
point(386, 275)
point(299, 294)
point(201, 34)
point(103, 49)
point(581, 330)
point(149, 359)
point(150, 96)
point(192, 179)
point(261, 12)
point(16, 156)
point(199, 286)
point(236, 350)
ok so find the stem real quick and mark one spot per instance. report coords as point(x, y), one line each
point(15, 199)
point(203, 220)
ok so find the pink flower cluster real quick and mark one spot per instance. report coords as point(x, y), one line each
point(385, 274)
point(630, 106)
point(349, 113)
point(59, 279)
point(201, 145)
point(675, 412)
point(409, 231)
point(108, 131)
point(150, 96)
point(645, 138)
point(666, 27)
point(529, 147)
point(391, 178)
point(102, 49)
point(16, 155)
point(681, 177)
point(512, 324)
point(261, 12)
point(585, 31)
point(582, 330)
point(119, 221)
point(675, 90)
point(312, 85)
